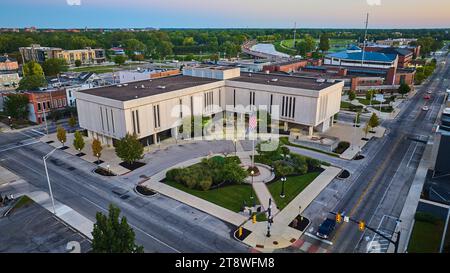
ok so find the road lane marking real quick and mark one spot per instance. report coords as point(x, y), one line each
point(154, 238)
point(319, 239)
point(19, 146)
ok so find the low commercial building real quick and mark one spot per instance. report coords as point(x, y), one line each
point(9, 80)
point(154, 108)
point(8, 64)
point(126, 76)
point(356, 57)
point(287, 66)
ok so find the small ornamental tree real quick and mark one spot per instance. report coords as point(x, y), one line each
point(61, 135)
point(112, 234)
point(77, 63)
point(97, 148)
point(72, 122)
point(358, 119)
point(404, 89)
point(367, 129)
point(129, 149)
point(78, 141)
point(374, 121)
point(351, 95)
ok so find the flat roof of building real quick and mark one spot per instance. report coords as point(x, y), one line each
point(134, 90)
point(275, 79)
point(33, 229)
point(368, 56)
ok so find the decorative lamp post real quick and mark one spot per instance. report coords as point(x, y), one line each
point(283, 180)
point(235, 147)
point(252, 172)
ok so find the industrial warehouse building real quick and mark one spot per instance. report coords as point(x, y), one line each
point(154, 108)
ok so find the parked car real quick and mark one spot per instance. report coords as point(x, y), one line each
point(425, 108)
point(427, 97)
point(326, 228)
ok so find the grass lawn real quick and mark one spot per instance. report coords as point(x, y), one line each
point(345, 104)
point(367, 102)
point(292, 187)
point(426, 237)
point(230, 197)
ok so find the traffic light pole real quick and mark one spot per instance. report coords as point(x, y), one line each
point(396, 242)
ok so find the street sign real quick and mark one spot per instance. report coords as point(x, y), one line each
point(379, 97)
point(346, 219)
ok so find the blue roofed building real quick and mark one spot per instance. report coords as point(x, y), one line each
point(355, 56)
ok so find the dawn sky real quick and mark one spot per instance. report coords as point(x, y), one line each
point(225, 13)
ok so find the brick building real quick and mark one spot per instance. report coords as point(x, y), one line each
point(43, 102)
point(287, 67)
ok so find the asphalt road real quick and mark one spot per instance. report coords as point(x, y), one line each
point(379, 192)
point(161, 224)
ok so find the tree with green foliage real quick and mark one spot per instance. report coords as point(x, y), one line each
point(214, 57)
point(113, 234)
point(306, 45)
point(16, 106)
point(61, 135)
point(370, 94)
point(404, 89)
point(72, 122)
point(78, 141)
point(129, 149)
point(33, 82)
point(367, 129)
point(119, 59)
point(97, 148)
point(358, 118)
point(53, 67)
point(282, 169)
point(374, 121)
point(324, 44)
point(351, 95)
point(32, 68)
point(77, 63)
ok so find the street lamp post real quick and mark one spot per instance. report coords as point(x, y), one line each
point(235, 147)
point(283, 180)
point(10, 121)
point(108, 167)
point(44, 158)
point(269, 217)
point(252, 172)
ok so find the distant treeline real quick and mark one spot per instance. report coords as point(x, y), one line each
point(161, 43)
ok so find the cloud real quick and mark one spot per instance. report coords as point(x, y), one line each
point(73, 2)
point(374, 2)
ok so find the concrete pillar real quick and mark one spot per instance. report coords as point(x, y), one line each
point(286, 126)
point(310, 130)
point(332, 121)
point(155, 138)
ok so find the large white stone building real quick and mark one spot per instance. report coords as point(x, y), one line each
point(154, 108)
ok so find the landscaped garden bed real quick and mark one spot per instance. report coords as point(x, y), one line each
point(144, 190)
point(298, 170)
point(218, 180)
point(342, 146)
point(104, 172)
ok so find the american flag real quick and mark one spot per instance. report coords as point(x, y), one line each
point(252, 122)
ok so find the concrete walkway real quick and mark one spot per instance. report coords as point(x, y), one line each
point(282, 234)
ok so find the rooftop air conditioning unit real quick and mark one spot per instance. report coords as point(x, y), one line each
point(249, 74)
point(320, 80)
point(119, 85)
point(125, 84)
point(330, 81)
point(274, 80)
point(161, 87)
point(142, 86)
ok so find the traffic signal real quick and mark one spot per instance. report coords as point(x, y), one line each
point(338, 217)
point(361, 225)
point(240, 231)
point(254, 218)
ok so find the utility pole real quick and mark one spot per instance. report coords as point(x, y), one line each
point(295, 31)
point(364, 43)
point(44, 158)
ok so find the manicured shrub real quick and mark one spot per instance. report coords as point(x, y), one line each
point(300, 163)
point(205, 184)
point(313, 164)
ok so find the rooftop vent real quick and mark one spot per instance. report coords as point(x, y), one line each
point(249, 74)
point(274, 80)
point(320, 80)
point(136, 97)
point(119, 85)
point(135, 87)
point(125, 84)
point(161, 87)
point(330, 81)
